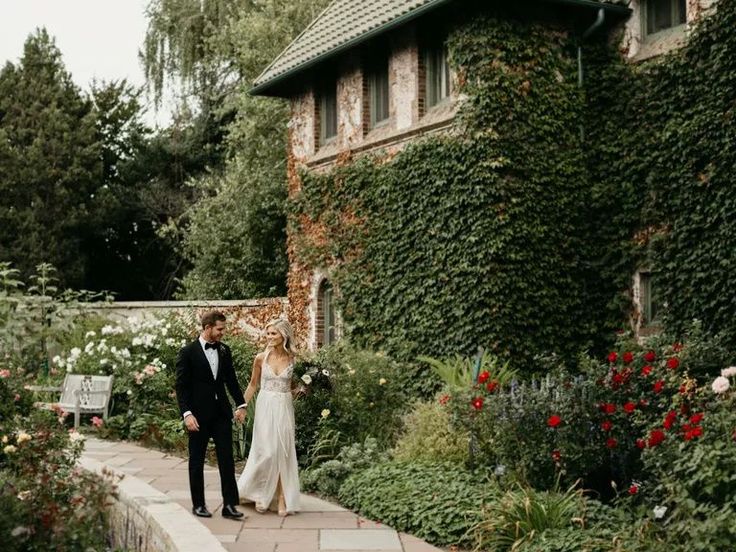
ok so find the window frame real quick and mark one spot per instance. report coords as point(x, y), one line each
point(377, 76)
point(674, 13)
point(437, 83)
point(647, 304)
point(326, 93)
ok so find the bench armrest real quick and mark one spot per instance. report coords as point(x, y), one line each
point(42, 388)
point(78, 392)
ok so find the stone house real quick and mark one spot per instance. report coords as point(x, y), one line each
point(371, 75)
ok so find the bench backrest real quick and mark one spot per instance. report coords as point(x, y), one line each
point(86, 384)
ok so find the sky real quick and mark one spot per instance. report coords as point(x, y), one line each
point(97, 38)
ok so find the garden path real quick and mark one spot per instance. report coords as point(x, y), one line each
point(320, 526)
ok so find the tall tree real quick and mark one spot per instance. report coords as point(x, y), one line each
point(50, 160)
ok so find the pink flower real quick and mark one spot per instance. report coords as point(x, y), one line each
point(97, 422)
point(4, 374)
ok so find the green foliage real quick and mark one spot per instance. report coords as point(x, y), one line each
point(50, 162)
point(48, 502)
point(662, 173)
point(433, 501)
point(327, 477)
point(429, 437)
point(457, 372)
point(492, 212)
point(521, 517)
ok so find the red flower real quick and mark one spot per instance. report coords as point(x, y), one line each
point(670, 419)
point(612, 357)
point(677, 347)
point(659, 386)
point(673, 363)
point(641, 443)
point(611, 443)
point(444, 399)
point(477, 403)
point(618, 379)
point(646, 370)
point(556, 456)
point(692, 433)
point(649, 356)
point(629, 407)
point(608, 408)
point(483, 377)
point(554, 421)
point(633, 489)
point(491, 387)
point(628, 357)
point(696, 418)
point(606, 425)
point(656, 437)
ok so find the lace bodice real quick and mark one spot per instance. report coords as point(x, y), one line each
point(271, 382)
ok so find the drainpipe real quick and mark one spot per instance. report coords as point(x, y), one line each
point(600, 18)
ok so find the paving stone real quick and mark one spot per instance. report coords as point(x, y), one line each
point(359, 539)
point(413, 544)
point(313, 504)
point(309, 537)
point(321, 520)
point(241, 546)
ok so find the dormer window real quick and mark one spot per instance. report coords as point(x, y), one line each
point(660, 15)
point(437, 74)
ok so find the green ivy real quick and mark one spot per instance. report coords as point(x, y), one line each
point(475, 237)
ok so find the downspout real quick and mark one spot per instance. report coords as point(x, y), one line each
point(600, 18)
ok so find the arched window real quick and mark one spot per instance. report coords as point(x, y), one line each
point(326, 323)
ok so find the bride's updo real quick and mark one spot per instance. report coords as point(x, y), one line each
point(287, 332)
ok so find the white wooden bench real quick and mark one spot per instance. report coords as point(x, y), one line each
point(82, 395)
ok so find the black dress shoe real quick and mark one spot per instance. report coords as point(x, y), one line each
point(201, 511)
point(231, 512)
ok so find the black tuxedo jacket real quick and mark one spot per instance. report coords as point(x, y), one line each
point(198, 391)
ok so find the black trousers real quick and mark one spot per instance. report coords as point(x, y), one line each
point(220, 431)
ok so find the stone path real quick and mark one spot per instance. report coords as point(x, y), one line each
point(320, 526)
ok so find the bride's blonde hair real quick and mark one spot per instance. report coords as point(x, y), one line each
point(287, 332)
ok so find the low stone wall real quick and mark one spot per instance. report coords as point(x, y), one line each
point(143, 519)
point(248, 316)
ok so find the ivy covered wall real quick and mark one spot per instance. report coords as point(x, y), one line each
point(520, 229)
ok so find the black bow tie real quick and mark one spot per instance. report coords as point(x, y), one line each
point(211, 346)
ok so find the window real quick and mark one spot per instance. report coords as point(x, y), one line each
point(326, 315)
point(328, 113)
point(437, 74)
point(377, 79)
point(664, 14)
point(647, 301)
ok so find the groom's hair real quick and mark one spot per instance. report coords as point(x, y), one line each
point(210, 318)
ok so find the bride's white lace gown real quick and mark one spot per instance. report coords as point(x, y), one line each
point(273, 450)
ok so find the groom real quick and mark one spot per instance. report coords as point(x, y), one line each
point(204, 368)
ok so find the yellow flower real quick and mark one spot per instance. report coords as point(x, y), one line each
point(10, 449)
point(22, 437)
point(5, 439)
point(325, 412)
point(382, 381)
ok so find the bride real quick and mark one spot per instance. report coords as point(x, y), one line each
point(271, 469)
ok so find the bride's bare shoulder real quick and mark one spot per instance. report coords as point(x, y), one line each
point(261, 356)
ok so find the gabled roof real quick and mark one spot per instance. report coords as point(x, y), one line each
point(346, 23)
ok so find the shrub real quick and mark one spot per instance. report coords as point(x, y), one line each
point(438, 502)
point(428, 436)
point(328, 476)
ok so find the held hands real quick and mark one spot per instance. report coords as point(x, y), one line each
point(240, 415)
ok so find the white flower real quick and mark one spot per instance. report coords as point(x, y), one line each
point(56, 359)
point(114, 350)
point(137, 341)
point(10, 449)
point(88, 348)
point(351, 372)
point(106, 330)
point(4, 439)
point(325, 412)
point(720, 385)
point(306, 378)
point(129, 392)
point(20, 531)
point(382, 381)
point(75, 436)
point(729, 372)
point(22, 437)
point(500, 470)
point(326, 373)
point(103, 361)
point(24, 495)
point(89, 334)
point(659, 512)
point(74, 353)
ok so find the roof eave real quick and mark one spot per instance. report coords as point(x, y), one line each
point(264, 88)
